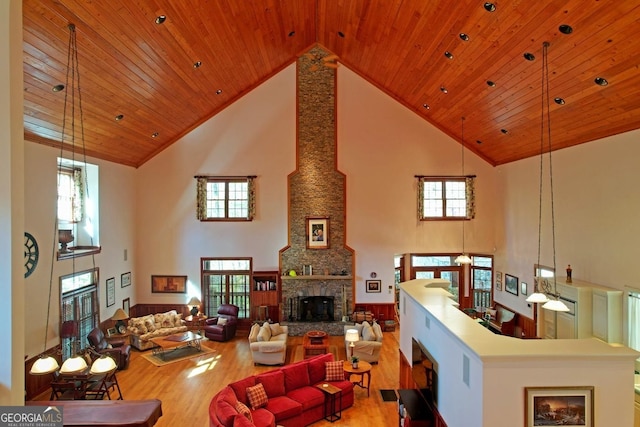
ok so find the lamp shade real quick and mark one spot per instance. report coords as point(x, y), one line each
point(194, 301)
point(463, 259)
point(120, 315)
point(537, 297)
point(103, 364)
point(44, 365)
point(73, 364)
point(351, 336)
point(69, 329)
point(555, 305)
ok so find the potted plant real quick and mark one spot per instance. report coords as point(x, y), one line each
point(354, 361)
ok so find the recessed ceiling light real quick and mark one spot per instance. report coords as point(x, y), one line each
point(443, 89)
point(478, 142)
point(504, 131)
point(154, 135)
point(559, 101)
point(292, 33)
point(219, 91)
point(197, 64)
point(160, 19)
point(119, 117)
point(601, 81)
point(491, 83)
point(448, 55)
point(489, 7)
point(464, 37)
point(341, 34)
point(529, 56)
point(565, 29)
point(426, 106)
point(58, 88)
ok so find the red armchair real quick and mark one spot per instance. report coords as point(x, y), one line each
point(222, 330)
point(119, 350)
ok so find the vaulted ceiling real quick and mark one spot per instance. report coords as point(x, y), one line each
point(134, 66)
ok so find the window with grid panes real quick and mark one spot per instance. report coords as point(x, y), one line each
point(444, 198)
point(79, 302)
point(226, 281)
point(225, 198)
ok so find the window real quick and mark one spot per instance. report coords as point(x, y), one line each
point(78, 208)
point(481, 279)
point(225, 198)
point(446, 198)
point(70, 200)
point(438, 267)
point(79, 302)
point(226, 281)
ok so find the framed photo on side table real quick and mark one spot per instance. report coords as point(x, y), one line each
point(511, 284)
point(545, 406)
point(318, 232)
point(111, 291)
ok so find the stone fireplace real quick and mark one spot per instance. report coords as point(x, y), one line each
point(317, 190)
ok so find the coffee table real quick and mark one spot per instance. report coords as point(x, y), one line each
point(174, 342)
point(314, 343)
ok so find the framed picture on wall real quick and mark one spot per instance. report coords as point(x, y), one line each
point(126, 305)
point(374, 286)
point(567, 406)
point(318, 232)
point(523, 288)
point(111, 291)
point(125, 279)
point(498, 281)
point(169, 284)
point(511, 284)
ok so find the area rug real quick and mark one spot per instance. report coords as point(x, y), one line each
point(297, 353)
point(389, 395)
point(176, 355)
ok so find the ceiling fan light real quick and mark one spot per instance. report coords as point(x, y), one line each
point(555, 305)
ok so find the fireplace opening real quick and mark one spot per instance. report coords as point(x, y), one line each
point(315, 309)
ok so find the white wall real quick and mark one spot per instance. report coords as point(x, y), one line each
point(117, 210)
point(597, 206)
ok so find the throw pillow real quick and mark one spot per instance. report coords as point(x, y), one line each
point(276, 329)
point(244, 410)
point(253, 333)
point(222, 321)
point(367, 333)
point(378, 331)
point(334, 371)
point(148, 323)
point(264, 334)
point(256, 396)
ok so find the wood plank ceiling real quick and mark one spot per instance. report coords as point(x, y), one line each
point(132, 66)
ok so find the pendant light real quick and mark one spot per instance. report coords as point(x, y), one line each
point(554, 303)
point(463, 258)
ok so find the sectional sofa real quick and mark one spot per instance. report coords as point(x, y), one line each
point(286, 396)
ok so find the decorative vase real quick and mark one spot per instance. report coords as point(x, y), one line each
point(65, 237)
point(194, 310)
point(355, 365)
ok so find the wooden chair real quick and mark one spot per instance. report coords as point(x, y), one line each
point(102, 385)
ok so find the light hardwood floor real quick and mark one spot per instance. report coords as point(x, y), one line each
point(186, 387)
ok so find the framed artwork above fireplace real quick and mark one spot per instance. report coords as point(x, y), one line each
point(318, 232)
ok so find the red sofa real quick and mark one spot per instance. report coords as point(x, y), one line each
point(293, 399)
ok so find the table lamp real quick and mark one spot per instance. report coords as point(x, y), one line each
point(119, 316)
point(195, 303)
point(352, 336)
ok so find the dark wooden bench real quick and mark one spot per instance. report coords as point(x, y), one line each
point(504, 320)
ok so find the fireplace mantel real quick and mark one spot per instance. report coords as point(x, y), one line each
point(317, 277)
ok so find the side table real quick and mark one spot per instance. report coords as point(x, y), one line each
point(331, 413)
point(364, 368)
point(195, 323)
point(126, 337)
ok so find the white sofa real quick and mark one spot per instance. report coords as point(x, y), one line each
point(369, 344)
point(154, 325)
point(268, 343)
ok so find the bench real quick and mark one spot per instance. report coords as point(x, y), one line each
point(503, 320)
